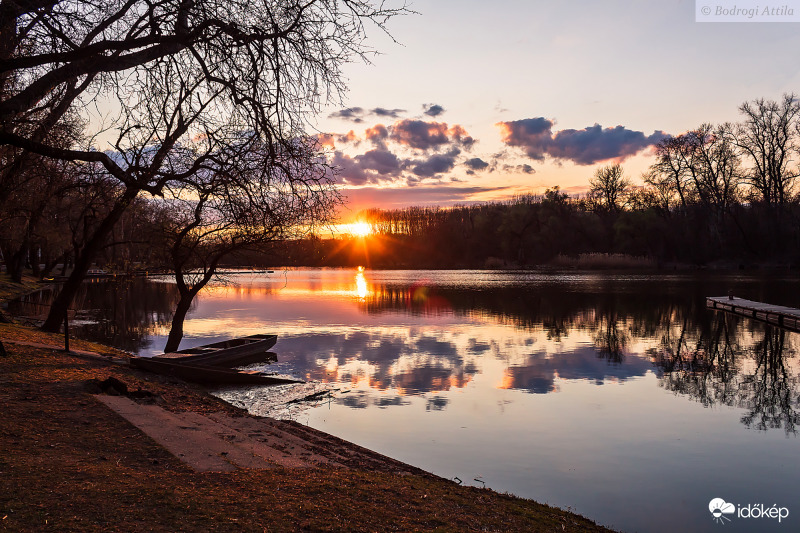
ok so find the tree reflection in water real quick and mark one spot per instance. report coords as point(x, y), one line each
point(712, 357)
point(121, 313)
point(722, 365)
point(770, 393)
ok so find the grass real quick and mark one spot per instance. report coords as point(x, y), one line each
point(67, 463)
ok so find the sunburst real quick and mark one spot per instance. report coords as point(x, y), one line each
point(360, 229)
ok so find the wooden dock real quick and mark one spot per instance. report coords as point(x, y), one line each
point(777, 315)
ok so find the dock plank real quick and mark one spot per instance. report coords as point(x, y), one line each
point(778, 315)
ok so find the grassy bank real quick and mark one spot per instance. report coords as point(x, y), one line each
point(67, 463)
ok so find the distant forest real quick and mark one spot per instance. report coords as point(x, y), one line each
point(645, 230)
point(724, 195)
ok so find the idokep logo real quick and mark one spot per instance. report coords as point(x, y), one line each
point(719, 508)
point(722, 510)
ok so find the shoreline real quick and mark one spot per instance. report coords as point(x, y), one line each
point(70, 462)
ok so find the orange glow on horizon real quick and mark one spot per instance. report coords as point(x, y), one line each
point(360, 229)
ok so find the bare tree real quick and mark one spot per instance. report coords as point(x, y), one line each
point(657, 193)
point(712, 169)
point(246, 200)
point(185, 78)
point(768, 137)
point(714, 165)
point(29, 185)
point(610, 187)
point(671, 168)
point(702, 165)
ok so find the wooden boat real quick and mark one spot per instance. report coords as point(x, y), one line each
point(207, 374)
point(234, 352)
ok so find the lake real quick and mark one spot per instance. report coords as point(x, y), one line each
point(619, 396)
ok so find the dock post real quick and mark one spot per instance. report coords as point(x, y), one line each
point(730, 294)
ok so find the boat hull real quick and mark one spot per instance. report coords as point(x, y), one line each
point(235, 352)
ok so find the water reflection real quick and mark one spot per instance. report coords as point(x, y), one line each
point(389, 335)
point(361, 284)
point(540, 371)
point(122, 313)
point(408, 362)
point(722, 366)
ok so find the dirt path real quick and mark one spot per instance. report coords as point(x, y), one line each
point(217, 442)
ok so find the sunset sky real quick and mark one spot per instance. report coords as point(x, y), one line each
point(483, 100)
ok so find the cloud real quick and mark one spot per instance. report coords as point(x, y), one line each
point(380, 165)
point(432, 110)
point(524, 168)
point(349, 137)
point(583, 147)
point(407, 150)
point(391, 113)
point(476, 163)
point(460, 136)
point(356, 114)
point(424, 135)
point(435, 164)
point(329, 140)
point(383, 162)
point(532, 134)
point(326, 140)
point(377, 134)
point(350, 171)
point(373, 166)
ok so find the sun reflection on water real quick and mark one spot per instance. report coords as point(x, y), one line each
point(361, 284)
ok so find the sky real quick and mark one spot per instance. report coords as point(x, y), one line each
point(481, 101)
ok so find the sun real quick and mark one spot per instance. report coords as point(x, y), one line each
point(360, 229)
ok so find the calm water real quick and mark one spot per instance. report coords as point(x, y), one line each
point(619, 396)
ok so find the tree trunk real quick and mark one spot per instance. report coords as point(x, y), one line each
point(83, 261)
point(16, 264)
point(187, 295)
point(33, 255)
point(176, 331)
